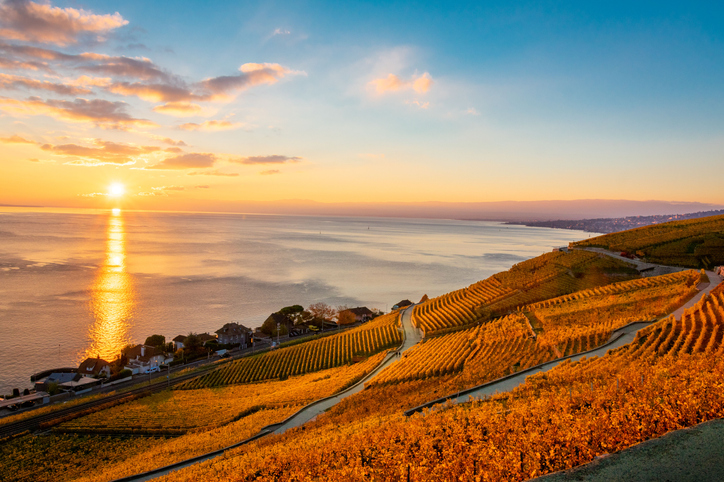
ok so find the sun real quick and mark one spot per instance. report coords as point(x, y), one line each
point(116, 189)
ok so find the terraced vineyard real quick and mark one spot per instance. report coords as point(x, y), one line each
point(567, 325)
point(668, 378)
point(332, 351)
point(599, 311)
point(180, 411)
point(694, 243)
point(488, 350)
point(199, 421)
point(546, 276)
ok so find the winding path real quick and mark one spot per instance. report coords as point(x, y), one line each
point(620, 337)
point(411, 336)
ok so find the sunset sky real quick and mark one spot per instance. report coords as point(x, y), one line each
point(196, 105)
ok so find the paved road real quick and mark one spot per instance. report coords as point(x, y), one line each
point(655, 269)
point(620, 337)
point(412, 336)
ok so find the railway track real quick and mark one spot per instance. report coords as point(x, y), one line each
point(33, 424)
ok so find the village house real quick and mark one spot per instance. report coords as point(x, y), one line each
point(232, 333)
point(56, 379)
point(94, 367)
point(361, 313)
point(204, 338)
point(402, 304)
point(178, 342)
point(83, 383)
point(144, 358)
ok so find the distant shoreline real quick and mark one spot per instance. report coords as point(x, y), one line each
point(613, 225)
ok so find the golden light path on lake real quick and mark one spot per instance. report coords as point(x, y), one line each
point(112, 296)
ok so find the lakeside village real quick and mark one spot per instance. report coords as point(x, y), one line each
point(156, 356)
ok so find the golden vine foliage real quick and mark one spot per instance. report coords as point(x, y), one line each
point(176, 412)
point(546, 276)
point(215, 418)
point(670, 377)
point(590, 316)
point(695, 243)
point(330, 351)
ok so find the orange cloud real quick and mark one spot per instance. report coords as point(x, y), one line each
point(103, 113)
point(86, 81)
point(17, 82)
point(212, 125)
point(37, 22)
point(214, 172)
point(421, 105)
point(251, 74)
point(9, 64)
point(178, 109)
point(393, 83)
point(273, 159)
point(167, 140)
point(153, 92)
point(270, 172)
point(187, 161)
point(15, 140)
point(103, 153)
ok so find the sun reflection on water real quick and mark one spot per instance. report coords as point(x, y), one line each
point(112, 297)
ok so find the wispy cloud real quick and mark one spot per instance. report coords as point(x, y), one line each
point(273, 159)
point(15, 139)
point(103, 113)
point(214, 172)
point(392, 83)
point(179, 109)
point(281, 31)
point(417, 103)
point(16, 82)
point(41, 22)
point(101, 153)
point(187, 161)
point(269, 172)
point(472, 111)
point(249, 75)
point(93, 194)
point(211, 125)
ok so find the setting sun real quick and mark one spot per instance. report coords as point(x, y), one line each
point(116, 190)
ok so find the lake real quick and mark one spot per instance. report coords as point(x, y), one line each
point(78, 283)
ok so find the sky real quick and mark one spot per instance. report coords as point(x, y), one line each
point(202, 106)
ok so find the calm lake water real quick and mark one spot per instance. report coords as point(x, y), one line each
point(80, 283)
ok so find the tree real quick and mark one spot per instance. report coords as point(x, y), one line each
point(289, 310)
point(346, 317)
point(321, 312)
point(269, 327)
point(301, 318)
point(156, 340)
point(192, 343)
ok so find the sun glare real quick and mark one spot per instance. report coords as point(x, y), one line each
point(116, 190)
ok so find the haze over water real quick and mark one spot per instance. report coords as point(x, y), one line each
point(83, 283)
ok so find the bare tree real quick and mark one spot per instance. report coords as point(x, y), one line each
point(321, 312)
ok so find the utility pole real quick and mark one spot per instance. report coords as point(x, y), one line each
point(277, 333)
